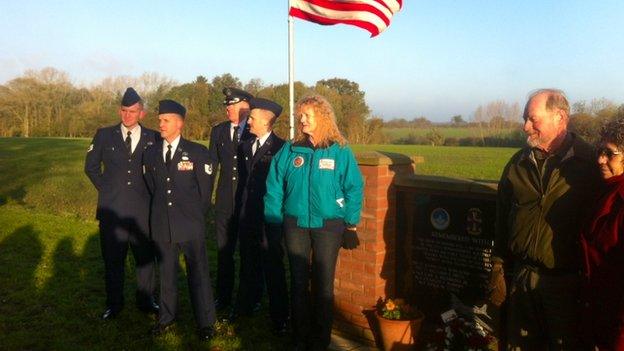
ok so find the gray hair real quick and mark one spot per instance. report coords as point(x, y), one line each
point(613, 132)
point(556, 99)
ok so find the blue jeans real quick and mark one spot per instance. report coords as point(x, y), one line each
point(312, 254)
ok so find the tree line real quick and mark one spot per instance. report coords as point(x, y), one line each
point(499, 123)
point(45, 103)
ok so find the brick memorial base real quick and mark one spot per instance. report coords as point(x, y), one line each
point(368, 273)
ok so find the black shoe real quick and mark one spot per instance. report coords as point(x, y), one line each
point(110, 313)
point(280, 329)
point(206, 333)
point(149, 308)
point(160, 329)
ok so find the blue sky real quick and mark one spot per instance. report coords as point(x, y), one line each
point(437, 59)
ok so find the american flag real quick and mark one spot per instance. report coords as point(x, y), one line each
point(371, 15)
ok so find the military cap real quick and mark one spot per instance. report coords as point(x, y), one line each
point(170, 106)
point(234, 95)
point(265, 104)
point(130, 97)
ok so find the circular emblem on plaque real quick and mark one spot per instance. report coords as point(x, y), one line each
point(298, 161)
point(474, 221)
point(440, 218)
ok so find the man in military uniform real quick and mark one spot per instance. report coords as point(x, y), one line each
point(178, 175)
point(541, 198)
point(260, 244)
point(224, 141)
point(113, 164)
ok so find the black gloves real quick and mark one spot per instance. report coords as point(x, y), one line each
point(349, 239)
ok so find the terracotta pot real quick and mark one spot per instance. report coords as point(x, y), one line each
point(399, 335)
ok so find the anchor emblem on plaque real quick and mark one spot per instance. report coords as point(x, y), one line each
point(474, 221)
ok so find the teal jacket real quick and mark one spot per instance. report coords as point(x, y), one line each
point(313, 185)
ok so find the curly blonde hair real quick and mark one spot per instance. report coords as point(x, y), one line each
point(326, 131)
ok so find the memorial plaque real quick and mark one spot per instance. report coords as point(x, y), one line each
point(448, 236)
point(451, 241)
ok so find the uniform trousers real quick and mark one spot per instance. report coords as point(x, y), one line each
point(312, 254)
point(227, 235)
point(115, 236)
point(543, 311)
point(262, 260)
point(198, 278)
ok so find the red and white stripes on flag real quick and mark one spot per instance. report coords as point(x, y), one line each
point(372, 15)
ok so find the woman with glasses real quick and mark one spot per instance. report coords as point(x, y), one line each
point(314, 190)
point(603, 245)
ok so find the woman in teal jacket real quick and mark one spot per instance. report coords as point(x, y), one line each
point(314, 191)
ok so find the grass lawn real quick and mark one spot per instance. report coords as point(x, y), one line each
point(448, 132)
point(52, 286)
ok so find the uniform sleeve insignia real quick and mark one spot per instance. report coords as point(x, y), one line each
point(90, 148)
point(208, 169)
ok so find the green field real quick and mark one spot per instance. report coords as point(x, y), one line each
point(448, 132)
point(51, 289)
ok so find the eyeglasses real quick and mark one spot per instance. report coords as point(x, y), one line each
point(605, 151)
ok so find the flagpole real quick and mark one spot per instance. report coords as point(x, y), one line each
point(291, 71)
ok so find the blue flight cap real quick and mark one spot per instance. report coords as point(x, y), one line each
point(234, 95)
point(170, 106)
point(265, 104)
point(130, 97)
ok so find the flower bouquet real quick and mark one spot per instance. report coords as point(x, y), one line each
point(465, 328)
point(461, 334)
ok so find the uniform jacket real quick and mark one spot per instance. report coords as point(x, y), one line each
point(539, 216)
point(313, 185)
point(254, 169)
point(117, 176)
point(181, 193)
point(603, 246)
point(224, 153)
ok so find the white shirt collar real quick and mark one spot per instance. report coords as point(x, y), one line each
point(135, 135)
point(264, 138)
point(136, 131)
point(241, 126)
point(174, 146)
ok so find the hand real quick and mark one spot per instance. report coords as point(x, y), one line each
point(497, 289)
point(349, 239)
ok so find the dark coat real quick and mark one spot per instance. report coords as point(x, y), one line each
point(180, 198)
point(223, 153)
point(117, 176)
point(603, 246)
point(253, 174)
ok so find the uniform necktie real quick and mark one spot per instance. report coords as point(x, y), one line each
point(168, 156)
point(235, 136)
point(257, 146)
point(129, 143)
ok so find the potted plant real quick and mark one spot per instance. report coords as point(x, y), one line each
point(399, 324)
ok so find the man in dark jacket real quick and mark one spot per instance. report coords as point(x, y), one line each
point(542, 195)
point(178, 175)
point(224, 141)
point(260, 244)
point(113, 164)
